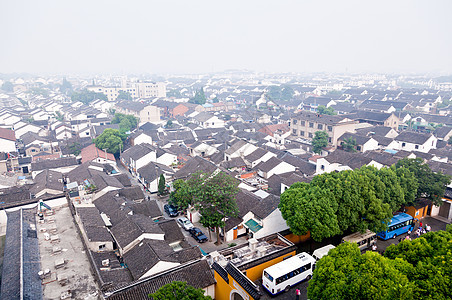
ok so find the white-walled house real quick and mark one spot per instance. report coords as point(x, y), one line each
point(239, 149)
point(7, 140)
point(413, 141)
point(273, 166)
point(257, 156)
point(208, 120)
point(257, 217)
point(362, 143)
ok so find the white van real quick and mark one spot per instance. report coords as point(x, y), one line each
point(321, 252)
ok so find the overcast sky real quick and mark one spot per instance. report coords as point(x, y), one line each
point(197, 36)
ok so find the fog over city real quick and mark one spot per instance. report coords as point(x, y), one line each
point(207, 36)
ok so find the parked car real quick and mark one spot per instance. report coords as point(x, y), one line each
point(171, 210)
point(185, 223)
point(198, 235)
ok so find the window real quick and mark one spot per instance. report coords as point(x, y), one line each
point(329, 140)
point(294, 122)
point(311, 125)
point(320, 126)
point(322, 167)
point(403, 144)
point(294, 131)
point(330, 128)
point(102, 247)
point(416, 146)
point(310, 135)
point(301, 133)
point(358, 148)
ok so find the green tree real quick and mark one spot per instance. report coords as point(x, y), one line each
point(432, 185)
point(319, 141)
point(59, 116)
point(125, 125)
point(7, 86)
point(123, 95)
point(169, 124)
point(214, 198)
point(75, 148)
point(284, 93)
point(215, 100)
point(179, 290)
point(309, 208)
point(346, 274)
point(326, 111)
point(199, 98)
point(431, 259)
point(162, 186)
point(86, 97)
point(349, 144)
point(66, 86)
point(110, 139)
point(182, 196)
point(126, 122)
point(333, 203)
point(173, 94)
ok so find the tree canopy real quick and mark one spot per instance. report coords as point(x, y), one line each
point(431, 185)
point(319, 141)
point(123, 95)
point(126, 122)
point(110, 139)
point(7, 86)
point(326, 111)
point(349, 144)
point(284, 93)
point(179, 290)
point(213, 195)
point(161, 185)
point(417, 269)
point(199, 98)
point(346, 274)
point(334, 203)
point(87, 97)
point(66, 86)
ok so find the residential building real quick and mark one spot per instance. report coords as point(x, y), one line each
point(7, 140)
point(144, 112)
point(305, 124)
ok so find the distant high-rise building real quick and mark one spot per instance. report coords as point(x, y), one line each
point(140, 89)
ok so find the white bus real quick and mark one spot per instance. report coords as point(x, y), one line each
point(281, 276)
point(364, 240)
point(321, 252)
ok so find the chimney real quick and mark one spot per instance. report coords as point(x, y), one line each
point(252, 244)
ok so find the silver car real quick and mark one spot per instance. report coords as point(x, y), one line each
point(185, 223)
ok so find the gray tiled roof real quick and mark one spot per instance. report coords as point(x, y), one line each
point(140, 290)
point(193, 165)
point(268, 165)
point(147, 208)
point(98, 234)
point(11, 273)
point(90, 216)
point(53, 163)
point(413, 137)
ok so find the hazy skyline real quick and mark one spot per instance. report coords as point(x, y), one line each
point(205, 36)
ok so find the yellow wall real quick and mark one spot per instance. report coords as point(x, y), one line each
point(223, 289)
point(296, 239)
point(411, 210)
point(255, 273)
